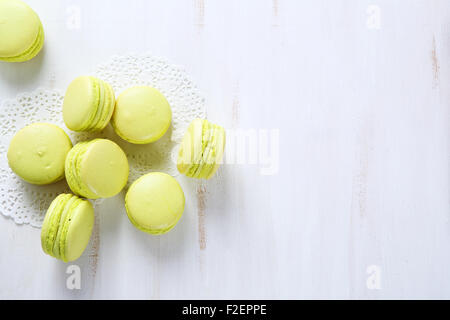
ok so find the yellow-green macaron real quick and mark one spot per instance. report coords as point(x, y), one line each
point(141, 115)
point(155, 203)
point(88, 104)
point(67, 227)
point(21, 31)
point(37, 153)
point(96, 169)
point(201, 150)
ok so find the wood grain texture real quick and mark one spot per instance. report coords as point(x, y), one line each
point(360, 94)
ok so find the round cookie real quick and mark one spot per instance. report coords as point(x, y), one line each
point(141, 115)
point(96, 169)
point(88, 104)
point(37, 153)
point(67, 227)
point(201, 150)
point(21, 31)
point(155, 202)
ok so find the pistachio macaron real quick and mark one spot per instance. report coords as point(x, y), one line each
point(37, 153)
point(141, 115)
point(155, 203)
point(21, 31)
point(67, 227)
point(88, 104)
point(96, 169)
point(201, 150)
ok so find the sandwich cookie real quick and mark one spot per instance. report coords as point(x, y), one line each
point(88, 104)
point(96, 169)
point(67, 227)
point(142, 115)
point(155, 202)
point(201, 150)
point(21, 31)
point(37, 153)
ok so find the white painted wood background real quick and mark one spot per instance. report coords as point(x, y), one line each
point(360, 93)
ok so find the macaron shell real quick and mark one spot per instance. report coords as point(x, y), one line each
point(103, 168)
point(155, 203)
point(37, 153)
point(141, 115)
point(77, 232)
point(19, 28)
point(81, 102)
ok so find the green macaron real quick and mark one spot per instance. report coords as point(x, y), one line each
point(88, 104)
point(141, 115)
point(155, 203)
point(21, 31)
point(37, 153)
point(96, 169)
point(201, 150)
point(67, 227)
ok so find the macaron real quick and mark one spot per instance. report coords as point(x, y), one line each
point(201, 150)
point(155, 202)
point(37, 153)
point(21, 31)
point(141, 115)
point(96, 169)
point(88, 104)
point(67, 227)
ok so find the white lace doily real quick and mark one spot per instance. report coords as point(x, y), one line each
point(26, 203)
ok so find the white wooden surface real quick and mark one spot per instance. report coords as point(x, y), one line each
point(360, 93)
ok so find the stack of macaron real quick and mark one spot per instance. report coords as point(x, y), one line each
point(21, 31)
point(42, 153)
